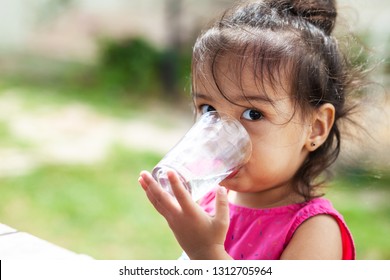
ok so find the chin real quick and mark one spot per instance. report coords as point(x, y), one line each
point(235, 180)
point(231, 183)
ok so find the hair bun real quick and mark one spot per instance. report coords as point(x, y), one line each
point(321, 13)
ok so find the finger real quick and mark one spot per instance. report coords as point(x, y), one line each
point(222, 207)
point(161, 200)
point(145, 186)
point(147, 182)
point(142, 182)
point(182, 195)
point(151, 197)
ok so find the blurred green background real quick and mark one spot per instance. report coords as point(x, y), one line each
point(93, 92)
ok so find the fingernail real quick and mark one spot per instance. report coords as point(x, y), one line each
point(141, 181)
point(222, 190)
point(143, 175)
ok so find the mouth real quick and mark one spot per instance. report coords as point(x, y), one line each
point(233, 174)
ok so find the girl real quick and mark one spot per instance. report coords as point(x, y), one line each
point(274, 66)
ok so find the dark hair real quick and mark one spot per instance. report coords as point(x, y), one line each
point(274, 34)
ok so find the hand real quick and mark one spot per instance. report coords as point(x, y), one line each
point(200, 235)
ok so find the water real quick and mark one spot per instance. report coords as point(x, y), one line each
point(200, 187)
point(197, 187)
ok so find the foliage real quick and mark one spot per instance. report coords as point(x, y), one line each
point(387, 57)
point(135, 65)
point(131, 63)
point(127, 70)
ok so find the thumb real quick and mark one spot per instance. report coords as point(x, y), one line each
point(222, 207)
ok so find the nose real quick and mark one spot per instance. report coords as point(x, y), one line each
point(230, 112)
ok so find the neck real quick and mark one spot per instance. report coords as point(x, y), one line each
point(273, 197)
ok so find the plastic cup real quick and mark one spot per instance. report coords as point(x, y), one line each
point(216, 146)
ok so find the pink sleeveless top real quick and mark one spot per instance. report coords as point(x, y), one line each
point(265, 233)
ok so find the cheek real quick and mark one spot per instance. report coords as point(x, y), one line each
point(263, 161)
point(273, 162)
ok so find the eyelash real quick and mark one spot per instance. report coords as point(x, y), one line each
point(258, 115)
point(207, 106)
point(251, 114)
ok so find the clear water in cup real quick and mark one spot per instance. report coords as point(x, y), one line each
point(211, 150)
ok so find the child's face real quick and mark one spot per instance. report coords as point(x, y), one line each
point(277, 130)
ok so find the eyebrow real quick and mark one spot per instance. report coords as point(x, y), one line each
point(257, 98)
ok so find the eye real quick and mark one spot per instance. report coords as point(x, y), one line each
point(206, 108)
point(252, 115)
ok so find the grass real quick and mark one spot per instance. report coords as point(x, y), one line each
point(97, 210)
point(363, 199)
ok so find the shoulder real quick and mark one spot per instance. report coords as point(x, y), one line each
point(322, 230)
point(318, 237)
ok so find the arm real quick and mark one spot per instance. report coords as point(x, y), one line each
point(200, 235)
point(317, 238)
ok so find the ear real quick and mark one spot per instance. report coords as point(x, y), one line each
point(322, 122)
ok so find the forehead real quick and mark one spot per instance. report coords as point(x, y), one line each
point(235, 76)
